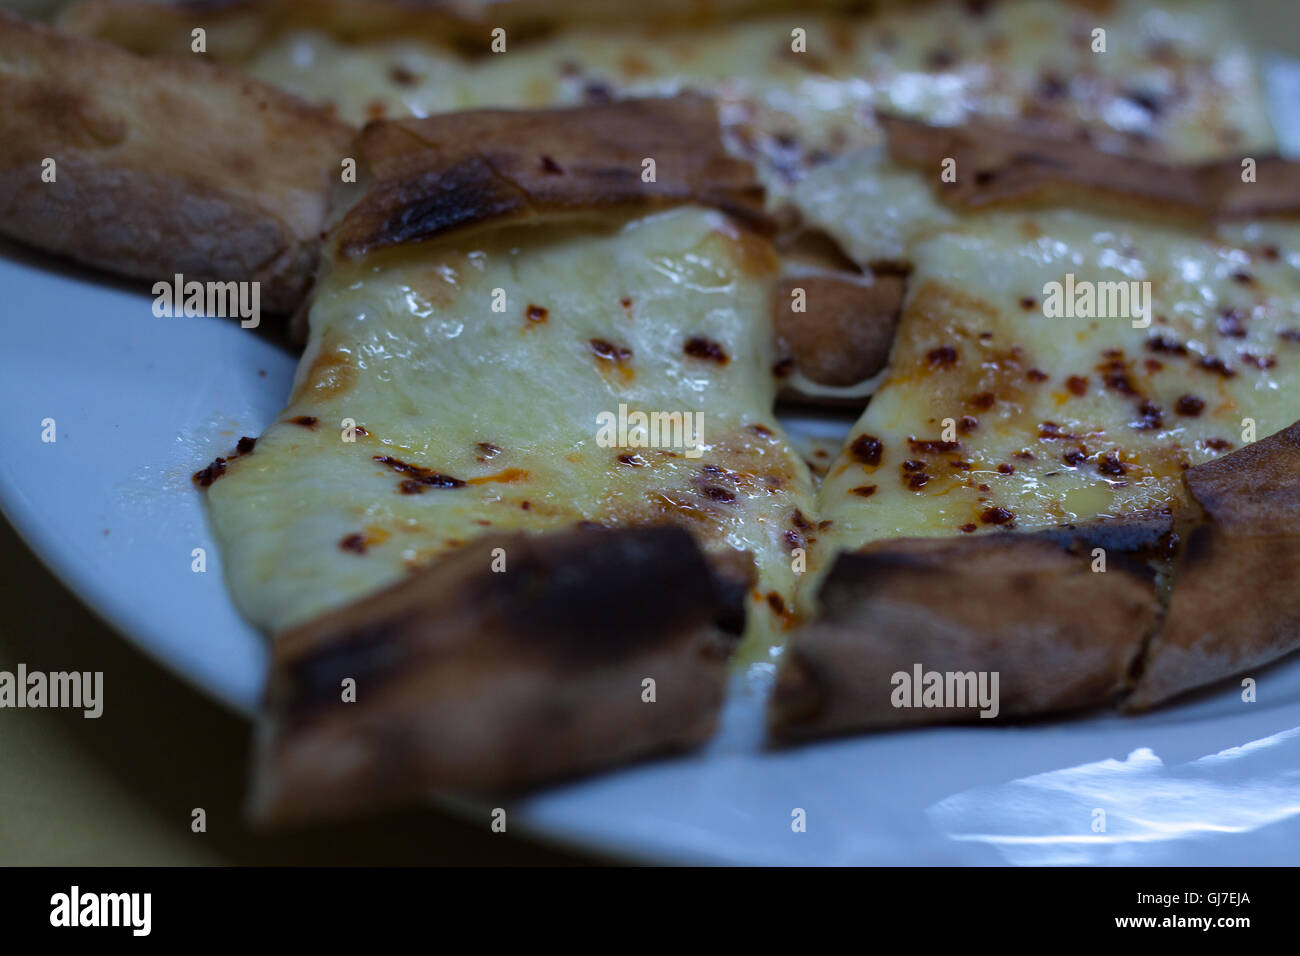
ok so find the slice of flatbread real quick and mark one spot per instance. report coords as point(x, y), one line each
point(1055, 366)
point(161, 167)
point(928, 630)
point(481, 359)
point(517, 659)
point(1236, 597)
point(555, 342)
point(1051, 367)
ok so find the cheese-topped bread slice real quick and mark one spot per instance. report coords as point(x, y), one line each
point(798, 81)
point(1056, 366)
point(515, 331)
point(1052, 369)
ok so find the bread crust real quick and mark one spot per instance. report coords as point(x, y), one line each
point(1009, 165)
point(162, 167)
point(478, 679)
point(834, 324)
point(430, 177)
point(1236, 592)
point(1029, 607)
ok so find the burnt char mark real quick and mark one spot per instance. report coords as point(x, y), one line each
point(1137, 538)
point(867, 449)
point(1200, 547)
point(1166, 346)
point(1212, 363)
point(704, 348)
point(372, 656)
point(943, 357)
point(1116, 374)
point(420, 477)
point(1231, 324)
point(583, 599)
point(1151, 416)
point(598, 597)
point(931, 446)
point(1111, 465)
point(609, 352)
point(402, 76)
point(996, 516)
point(435, 174)
point(442, 200)
point(204, 477)
point(716, 493)
point(1051, 431)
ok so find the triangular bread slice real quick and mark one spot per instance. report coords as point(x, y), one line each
point(504, 294)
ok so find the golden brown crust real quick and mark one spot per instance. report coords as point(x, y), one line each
point(433, 176)
point(1000, 165)
point(476, 679)
point(1235, 602)
point(1273, 191)
point(1255, 489)
point(1030, 608)
point(161, 167)
point(833, 324)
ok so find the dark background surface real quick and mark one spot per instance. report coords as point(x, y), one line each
point(120, 789)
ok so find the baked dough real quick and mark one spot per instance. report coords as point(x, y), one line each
point(161, 166)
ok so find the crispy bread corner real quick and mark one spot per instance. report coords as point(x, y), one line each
point(497, 669)
point(1236, 592)
point(433, 176)
point(161, 166)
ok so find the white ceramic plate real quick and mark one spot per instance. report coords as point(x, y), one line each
point(140, 402)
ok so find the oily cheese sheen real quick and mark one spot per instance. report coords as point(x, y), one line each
point(473, 419)
point(1056, 418)
point(874, 208)
point(1176, 78)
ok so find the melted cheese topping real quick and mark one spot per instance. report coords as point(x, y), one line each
point(872, 207)
point(475, 421)
point(1062, 419)
point(1176, 79)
